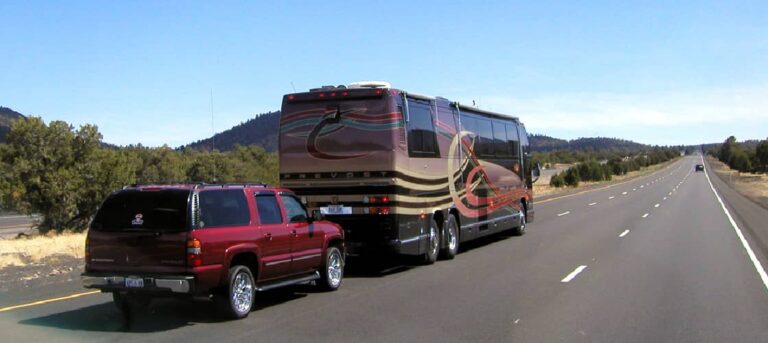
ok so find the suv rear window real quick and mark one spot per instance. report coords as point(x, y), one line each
point(163, 210)
point(223, 207)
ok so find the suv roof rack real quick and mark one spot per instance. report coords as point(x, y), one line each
point(232, 184)
point(198, 184)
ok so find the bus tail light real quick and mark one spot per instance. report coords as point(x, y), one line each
point(194, 253)
point(379, 205)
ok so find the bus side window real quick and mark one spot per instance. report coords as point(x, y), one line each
point(500, 145)
point(514, 142)
point(445, 116)
point(485, 131)
point(422, 141)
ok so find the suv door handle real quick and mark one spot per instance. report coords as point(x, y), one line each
point(268, 236)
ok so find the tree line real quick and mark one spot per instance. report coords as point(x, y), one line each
point(592, 170)
point(63, 173)
point(742, 157)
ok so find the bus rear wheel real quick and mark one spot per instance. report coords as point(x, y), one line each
point(433, 242)
point(451, 237)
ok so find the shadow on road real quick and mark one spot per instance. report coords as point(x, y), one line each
point(162, 314)
point(373, 266)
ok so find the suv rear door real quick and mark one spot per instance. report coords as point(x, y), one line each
point(140, 231)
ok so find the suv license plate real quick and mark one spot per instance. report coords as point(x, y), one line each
point(134, 282)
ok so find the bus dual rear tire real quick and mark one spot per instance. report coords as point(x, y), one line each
point(450, 237)
point(433, 242)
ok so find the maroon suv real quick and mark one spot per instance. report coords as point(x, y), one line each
point(224, 241)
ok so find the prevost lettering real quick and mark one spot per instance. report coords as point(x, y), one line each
point(337, 175)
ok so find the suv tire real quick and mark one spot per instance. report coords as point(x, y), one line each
point(332, 271)
point(236, 300)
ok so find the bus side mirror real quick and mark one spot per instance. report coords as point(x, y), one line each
point(535, 173)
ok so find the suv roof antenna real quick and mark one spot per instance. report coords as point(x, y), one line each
point(213, 139)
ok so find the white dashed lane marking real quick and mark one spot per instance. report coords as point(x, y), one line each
point(645, 215)
point(564, 213)
point(573, 274)
point(624, 233)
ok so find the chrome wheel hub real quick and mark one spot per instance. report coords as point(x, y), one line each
point(335, 269)
point(242, 293)
point(433, 244)
point(452, 239)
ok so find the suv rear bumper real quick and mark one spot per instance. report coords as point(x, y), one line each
point(171, 283)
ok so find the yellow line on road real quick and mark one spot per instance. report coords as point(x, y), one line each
point(42, 302)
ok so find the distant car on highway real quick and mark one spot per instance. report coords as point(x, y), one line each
point(699, 167)
point(224, 241)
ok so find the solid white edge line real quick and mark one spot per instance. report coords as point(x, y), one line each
point(752, 256)
point(573, 274)
point(564, 213)
point(624, 233)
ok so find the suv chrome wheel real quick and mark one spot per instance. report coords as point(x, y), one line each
point(237, 299)
point(332, 271)
point(334, 268)
point(242, 293)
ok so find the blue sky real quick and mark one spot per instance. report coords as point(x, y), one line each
point(143, 72)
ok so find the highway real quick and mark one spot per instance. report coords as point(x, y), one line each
point(654, 259)
point(12, 225)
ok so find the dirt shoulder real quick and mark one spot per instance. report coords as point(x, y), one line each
point(38, 260)
point(752, 186)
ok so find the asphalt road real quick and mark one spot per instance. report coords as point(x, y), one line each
point(13, 224)
point(655, 259)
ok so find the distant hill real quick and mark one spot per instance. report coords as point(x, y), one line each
point(542, 143)
point(7, 116)
point(261, 130)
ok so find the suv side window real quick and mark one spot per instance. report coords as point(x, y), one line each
point(269, 210)
point(294, 208)
point(223, 207)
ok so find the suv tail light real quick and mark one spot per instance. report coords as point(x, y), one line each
point(194, 253)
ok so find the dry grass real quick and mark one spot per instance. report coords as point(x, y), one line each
point(24, 251)
point(753, 186)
